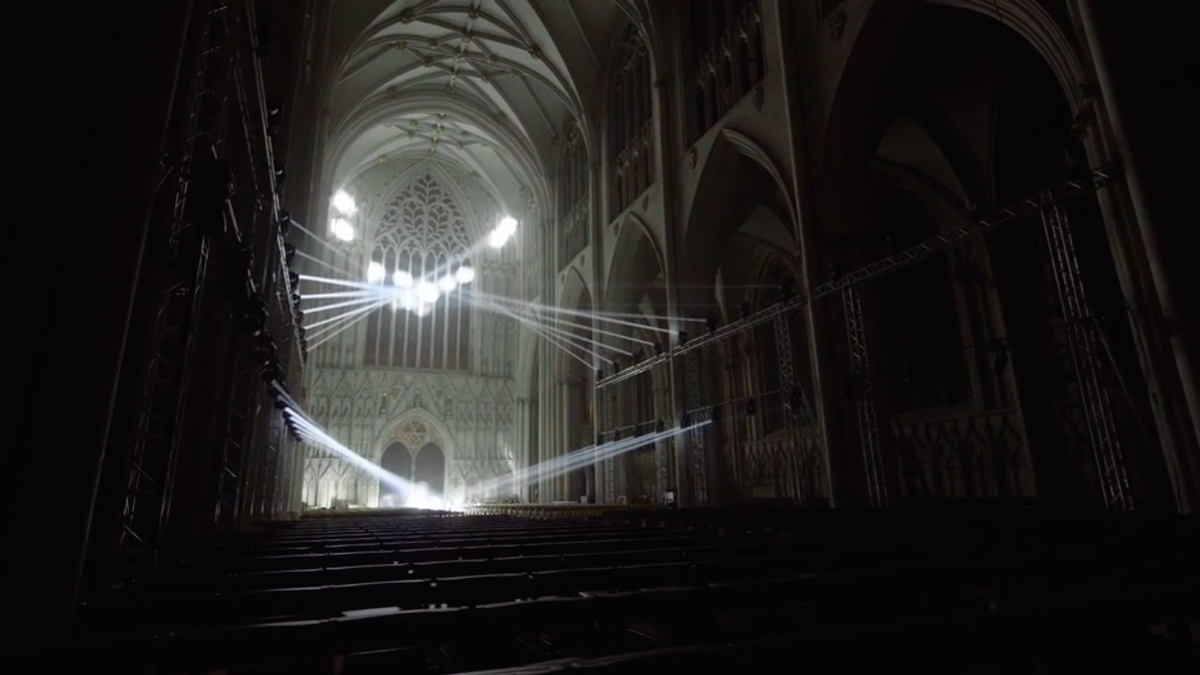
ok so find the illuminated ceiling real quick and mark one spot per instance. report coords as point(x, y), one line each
point(485, 84)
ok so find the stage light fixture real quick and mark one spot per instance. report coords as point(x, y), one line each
point(638, 355)
point(289, 253)
point(465, 273)
point(344, 204)
point(683, 338)
point(599, 374)
point(616, 435)
point(685, 420)
point(616, 366)
point(660, 426)
point(751, 408)
point(658, 349)
point(294, 279)
point(715, 416)
point(745, 310)
point(448, 283)
point(712, 324)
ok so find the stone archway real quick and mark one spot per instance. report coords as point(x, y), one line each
point(429, 469)
point(397, 459)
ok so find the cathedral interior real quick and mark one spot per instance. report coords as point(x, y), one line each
point(530, 336)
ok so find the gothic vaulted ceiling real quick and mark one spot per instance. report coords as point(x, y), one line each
point(486, 84)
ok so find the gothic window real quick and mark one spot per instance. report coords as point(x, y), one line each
point(725, 55)
point(573, 194)
point(630, 117)
point(421, 233)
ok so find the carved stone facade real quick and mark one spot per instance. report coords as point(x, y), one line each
point(465, 406)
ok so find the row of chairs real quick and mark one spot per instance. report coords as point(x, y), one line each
point(459, 593)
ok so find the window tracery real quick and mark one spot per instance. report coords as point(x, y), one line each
point(726, 55)
point(421, 231)
point(573, 194)
point(630, 121)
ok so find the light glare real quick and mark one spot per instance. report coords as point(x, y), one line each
point(375, 272)
point(402, 278)
point(427, 293)
point(465, 274)
point(344, 203)
point(497, 239)
point(508, 225)
point(342, 229)
point(448, 283)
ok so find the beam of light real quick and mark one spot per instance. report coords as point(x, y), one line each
point(340, 282)
point(343, 294)
point(537, 326)
point(609, 317)
point(313, 258)
point(586, 456)
point(311, 432)
point(577, 459)
point(324, 330)
point(340, 305)
point(317, 238)
point(499, 302)
point(319, 337)
point(566, 347)
point(360, 310)
point(336, 331)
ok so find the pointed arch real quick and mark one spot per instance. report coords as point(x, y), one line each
point(636, 262)
point(738, 176)
point(438, 430)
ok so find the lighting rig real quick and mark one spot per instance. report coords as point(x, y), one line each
point(786, 303)
point(224, 86)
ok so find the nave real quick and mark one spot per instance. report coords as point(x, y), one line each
point(549, 589)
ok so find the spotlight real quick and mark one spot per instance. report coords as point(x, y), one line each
point(712, 324)
point(265, 348)
point(465, 274)
point(271, 372)
point(375, 272)
point(683, 338)
point(658, 349)
point(751, 408)
point(793, 399)
point(745, 310)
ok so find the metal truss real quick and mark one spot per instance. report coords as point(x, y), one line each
point(241, 416)
point(158, 434)
point(661, 454)
point(864, 397)
point(1024, 208)
point(698, 458)
point(1081, 334)
point(797, 411)
point(256, 134)
point(608, 465)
